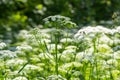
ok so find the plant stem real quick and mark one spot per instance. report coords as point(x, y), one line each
point(56, 55)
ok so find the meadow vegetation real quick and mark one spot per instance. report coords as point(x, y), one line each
point(38, 41)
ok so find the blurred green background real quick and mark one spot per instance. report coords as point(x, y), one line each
point(25, 14)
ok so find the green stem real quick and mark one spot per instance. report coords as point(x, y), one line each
point(56, 56)
point(22, 67)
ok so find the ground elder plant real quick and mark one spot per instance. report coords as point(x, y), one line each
point(57, 52)
point(58, 22)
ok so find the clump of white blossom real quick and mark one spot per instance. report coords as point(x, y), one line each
point(55, 77)
point(118, 29)
point(2, 45)
point(44, 56)
point(80, 56)
point(60, 21)
point(71, 47)
point(113, 62)
point(51, 47)
point(117, 55)
point(104, 39)
point(66, 40)
point(24, 34)
point(97, 29)
point(7, 54)
point(15, 62)
point(24, 48)
point(68, 55)
point(32, 68)
point(90, 29)
point(104, 48)
point(20, 78)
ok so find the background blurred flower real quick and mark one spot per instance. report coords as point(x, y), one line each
point(2, 45)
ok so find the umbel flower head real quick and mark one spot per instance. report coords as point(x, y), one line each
point(59, 21)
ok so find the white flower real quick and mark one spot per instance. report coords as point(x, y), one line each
point(24, 47)
point(23, 34)
point(15, 62)
point(20, 78)
point(117, 55)
point(104, 48)
point(7, 54)
point(53, 18)
point(113, 31)
point(66, 40)
point(116, 41)
point(68, 55)
point(69, 51)
point(68, 66)
point(43, 35)
point(2, 45)
point(89, 30)
point(51, 47)
point(89, 51)
point(80, 56)
point(55, 77)
point(43, 41)
point(31, 67)
point(112, 62)
point(104, 56)
point(79, 35)
point(45, 56)
point(71, 47)
point(105, 39)
point(118, 29)
point(103, 29)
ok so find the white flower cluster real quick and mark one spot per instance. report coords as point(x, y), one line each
point(20, 78)
point(55, 77)
point(51, 47)
point(15, 62)
point(97, 29)
point(66, 40)
point(113, 62)
point(44, 56)
point(24, 47)
point(2, 45)
point(31, 67)
point(117, 55)
point(56, 18)
point(61, 21)
point(68, 66)
point(71, 47)
point(118, 29)
point(71, 51)
point(7, 54)
point(24, 34)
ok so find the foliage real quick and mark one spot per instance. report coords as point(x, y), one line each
point(55, 49)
